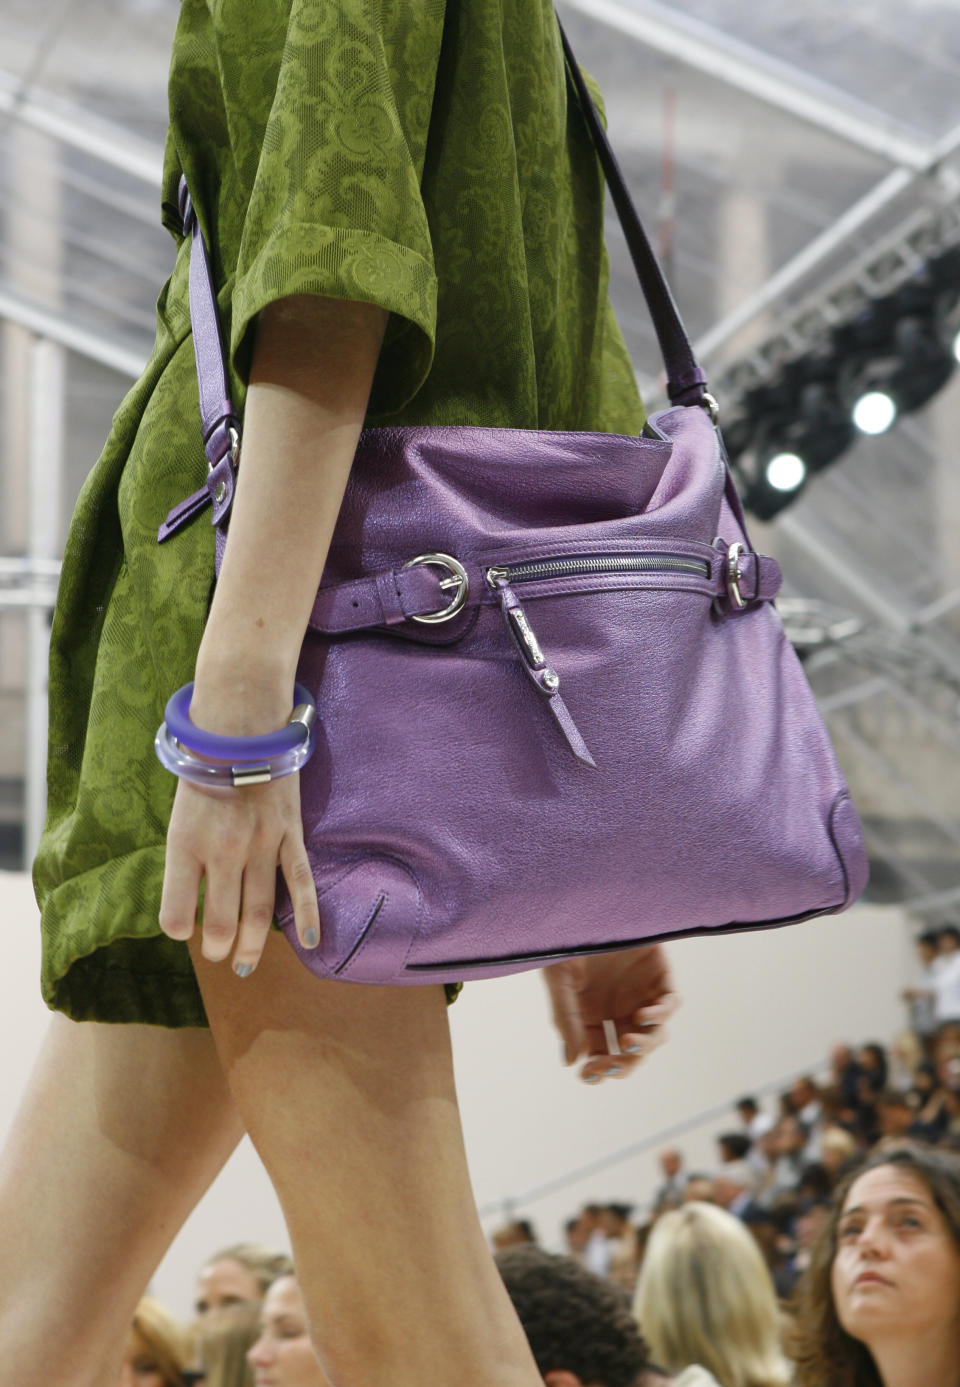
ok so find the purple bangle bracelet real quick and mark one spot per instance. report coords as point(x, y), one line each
point(296, 732)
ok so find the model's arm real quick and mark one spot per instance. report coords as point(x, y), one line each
point(310, 381)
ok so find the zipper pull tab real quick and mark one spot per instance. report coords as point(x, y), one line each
point(545, 679)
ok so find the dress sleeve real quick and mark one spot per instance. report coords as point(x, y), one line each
point(334, 204)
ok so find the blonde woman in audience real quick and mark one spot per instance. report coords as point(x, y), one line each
point(283, 1355)
point(838, 1147)
point(906, 1056)
point(705, 1297)
point(880, 1305)
point(224, 1339)
point(238, 1275)
point(158, 1348)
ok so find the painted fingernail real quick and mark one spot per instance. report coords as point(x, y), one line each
point(592, 1078)
point(243, 970)
point(633, 1049)
point(311, 938)
point(614, 1069)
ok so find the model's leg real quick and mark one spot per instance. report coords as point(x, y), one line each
point(120, 1132)
point(347, 1093)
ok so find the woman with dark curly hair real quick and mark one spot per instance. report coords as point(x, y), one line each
point(880, 1303)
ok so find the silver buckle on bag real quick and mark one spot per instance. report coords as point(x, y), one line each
point(459, 579)
point(733, 576)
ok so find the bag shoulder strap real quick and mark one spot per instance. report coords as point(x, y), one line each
point(686, 380)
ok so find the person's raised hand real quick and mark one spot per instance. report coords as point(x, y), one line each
point(631, 988)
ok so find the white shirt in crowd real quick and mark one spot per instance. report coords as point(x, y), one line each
point(923, 1017)
point(946, 987)
point(597, 1253)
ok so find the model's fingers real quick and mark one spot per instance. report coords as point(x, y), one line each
point(298, 874)
point(565, 1007)
point(258, 898)
point(221, 909)
point(182, 875)
point(658, 1012)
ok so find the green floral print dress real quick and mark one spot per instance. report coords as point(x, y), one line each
point(420, 155)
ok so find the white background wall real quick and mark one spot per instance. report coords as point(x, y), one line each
point(757, 1007)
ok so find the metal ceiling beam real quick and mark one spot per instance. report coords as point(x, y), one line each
point(73, 126)
point(115, 355)
point(768, 79)
point(822, 247)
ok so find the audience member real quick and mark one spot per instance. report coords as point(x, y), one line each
point(895, 1115)
point(787, 1141)
point(920, 995)
point(596, 1254)
point(808, 1225)
point(733, 1146)
point(704, 1296)
point(239, 1275)
point(845, 1076)
point(815, 1182)
point(837, 1148)
point(670, 1192)
point(577, 1233)
point(777, 1248)
point(880, 1304)
point(622, 1240)
point(733, 1187)
point(158, 1348)
point(520, 1230)
point(946, 978)
point(906, 1054)
point(872, 1059)
point(223, 1340)
point(698, 1188)
point(755, 1121)
point(579, 1327)
point(805, 1101)
point(283, 1354)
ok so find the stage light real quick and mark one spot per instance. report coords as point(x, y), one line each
point(875, 412)
point(786, 471)
point(896, 355)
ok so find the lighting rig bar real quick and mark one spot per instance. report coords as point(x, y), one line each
point(876, 341)
point(889, 264)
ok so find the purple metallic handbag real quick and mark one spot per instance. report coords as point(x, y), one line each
point(558, 714)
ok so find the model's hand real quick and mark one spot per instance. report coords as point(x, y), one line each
point(236, 839)
point(632, 988)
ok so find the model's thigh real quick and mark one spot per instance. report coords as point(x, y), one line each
point(348, 1094)
point(120, 1131)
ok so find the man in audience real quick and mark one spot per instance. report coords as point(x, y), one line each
point(580, 1328)
point(919, 997)
point(733, 1146)
point(733, 1189)
point(698, 1187)
point(597, 1250)
point(805, 1101)
point(788, 1141)
point(519, 1230)
point(946, 982)
point(670, 1192)
point(622, 1241)
point(895, 1115)
point(577, 1234)
point(756, 1123)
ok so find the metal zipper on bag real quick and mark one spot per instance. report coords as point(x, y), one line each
point(547, 680)
point(598, 563)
